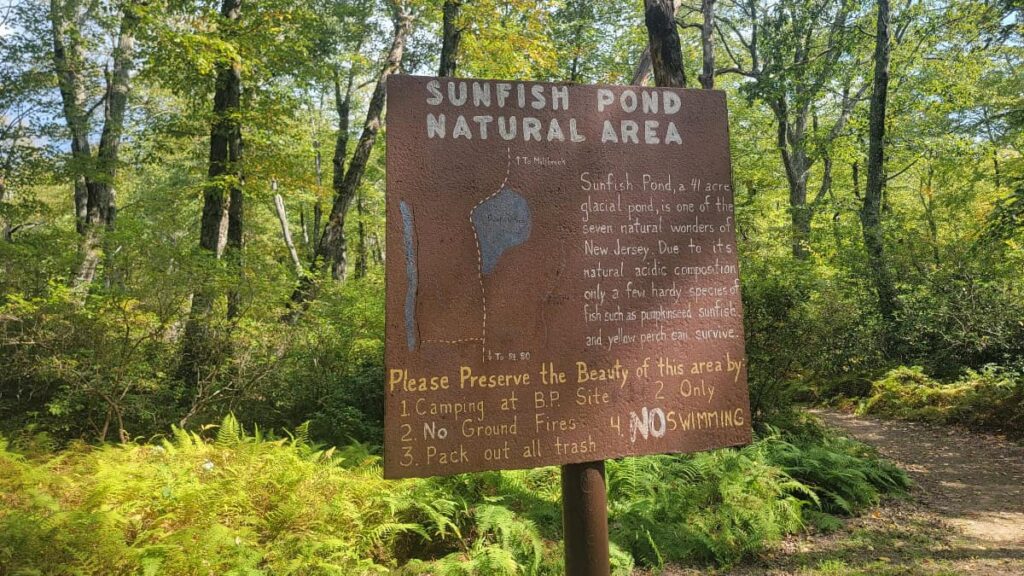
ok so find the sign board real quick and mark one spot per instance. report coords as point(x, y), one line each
point(562, 281)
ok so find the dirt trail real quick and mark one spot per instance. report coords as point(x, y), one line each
point(974, 482)
point(970, 482)
point(965, 514)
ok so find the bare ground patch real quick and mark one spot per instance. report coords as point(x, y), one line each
point(964, 516)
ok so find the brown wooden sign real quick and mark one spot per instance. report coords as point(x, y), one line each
point(562, 281)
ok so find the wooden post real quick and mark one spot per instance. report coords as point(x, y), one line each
point(585, 519)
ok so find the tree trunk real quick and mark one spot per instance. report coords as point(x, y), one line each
point(332, 245)
point(282, 217)
point(361, 230)
point(304, 225)
point(235, 252)
point(800, 221)
point(225, 162)
point(663, 38)
point(343, 106)
point(225, 150)
point(924, 193)
point(707, 44)
point(995, 167)
point(102, 206)
point(451, 36)
point(221, 222)
point(790, 141)
point(93, 179)
point(6, 229)
point(855, 167)
point(643, 68)
point(318, 216)
point(65, 20)
point(307, 243)
point(870, 214)
point(101, 210)
point(376, 250)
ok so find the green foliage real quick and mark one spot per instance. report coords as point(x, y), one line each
point(845, 476)
point(88, 365)
point(101, 363)
point(715, 507)
point(990, 399)
point(1007, 219)
point(91, 370)
point(994, 401)
point(722, 506)
point(804, 326)
point(240, 505)
point(909, 393)
point(506, 544)
point(965, 318)
point(234, 502)
point(509, 39)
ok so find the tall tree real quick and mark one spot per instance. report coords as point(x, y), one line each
point(576, 25)
point(332, 246)
point(871, 210)
point(67, 17)
point(792, 50)
point(221, 222)
point(707, 45)
point(6, 228)
point(95, 206)
point(706, 27)
point(663, 40)
point(343, 107)
point(223, 177)
point(27, 84)
point(451, 37)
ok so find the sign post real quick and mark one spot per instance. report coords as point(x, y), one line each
point(585, 519)
point(562, 284)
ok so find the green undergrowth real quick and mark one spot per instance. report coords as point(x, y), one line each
point(224, 501)
point(989, 399)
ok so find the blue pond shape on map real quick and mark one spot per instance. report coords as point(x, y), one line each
point(502, 222)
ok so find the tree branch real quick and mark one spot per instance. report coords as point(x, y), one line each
point(902, 170)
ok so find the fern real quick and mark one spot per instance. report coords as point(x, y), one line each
point(244, 504)
point(230, 432)
point(843, 476)
point(513, 533)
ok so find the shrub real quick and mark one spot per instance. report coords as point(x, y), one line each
point(994, 400)
point(712, 507)
point(239, 504)
point(968, 313)
point(845, 475)
point(231, 502)
point(991, 399)
point(107, 365)
point(909, 393)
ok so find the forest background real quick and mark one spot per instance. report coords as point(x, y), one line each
point(191, 208)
